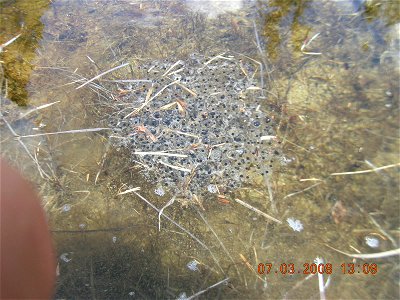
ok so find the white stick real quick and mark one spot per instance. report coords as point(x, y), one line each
point(104, 73)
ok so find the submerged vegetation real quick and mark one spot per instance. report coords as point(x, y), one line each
point(328, 74)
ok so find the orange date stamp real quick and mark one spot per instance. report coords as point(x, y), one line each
point(314, 268)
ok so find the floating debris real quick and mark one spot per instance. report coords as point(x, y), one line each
point(64, 257)
point(182, 296)
point(159, 191)
point(372, 242)
point(192, 265)
point(66, 208)
point(296, 225)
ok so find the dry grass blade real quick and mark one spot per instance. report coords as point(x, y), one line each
point(366, 171)
point(187, 89)
point(258, 211)
point(175, 167)
point(168, 106)
point(182, 133)
point(65, 132)
point(127, 80)
point(102, 74)
point(171, 67)
point(170, 202)
point(306, 189)
point(9, 42)
point(219, 56)
point(38, 108)
point(271, 195)
point(129, 191)
point(160, 154)
point(369, 255)
point(267, 137)
point(207, 289)
point(135, 111)
point(250, 266)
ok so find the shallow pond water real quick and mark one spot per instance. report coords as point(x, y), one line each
point(328, 74)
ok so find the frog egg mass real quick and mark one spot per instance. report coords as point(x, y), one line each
point(196, 123)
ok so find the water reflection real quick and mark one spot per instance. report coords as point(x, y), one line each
point(20, 17)
point(214, 8)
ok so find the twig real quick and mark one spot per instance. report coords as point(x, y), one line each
point(207, 289)
point(366, 171)
point(370, 255)
point(102, 74)
point(64, 132)
point(258, 211)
